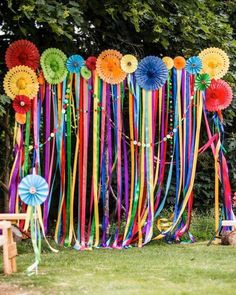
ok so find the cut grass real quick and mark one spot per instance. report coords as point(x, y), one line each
point(157, 268)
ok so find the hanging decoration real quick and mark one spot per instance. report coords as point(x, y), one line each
point(22, 53)
point(193, 65)
point(74, 63)
point(53, 63)
point(21, 80)
point(179, 62)
point(215, 62)
point(151, 73)
point(218, 95)
point(21, 104)
point(113, 136)
point(33, 191)
point(108, 67)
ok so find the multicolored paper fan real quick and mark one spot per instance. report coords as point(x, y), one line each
point(22, 53)
point(218, 96)
point(179, 62)
point(168, 61)
point(151, 73)
point(21, 80)
point(85, 73)
point(215, 62)
point(53, 62)
point(193, 65)
point(33, 190)
point(108, 67)
point(91, 63)
point(202, 82)
point(21, 104)
point(74, 63)
point(129, 63)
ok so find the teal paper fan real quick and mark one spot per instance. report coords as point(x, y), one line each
point(53, 63)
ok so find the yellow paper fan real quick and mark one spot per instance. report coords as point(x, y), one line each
point(215, 62)
point(21, 80)
point(108, 67)
point(129, 63)
point(168, 61)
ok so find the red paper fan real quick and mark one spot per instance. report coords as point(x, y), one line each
point(22, 53)
point(218, 95)
point(21, 104)
point(91, 63)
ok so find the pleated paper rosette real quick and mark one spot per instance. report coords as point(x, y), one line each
point(53, 63)
point(219, 95)
point(22, 53)
point(21, 80)
point(109, 68)
point(129, 63)
point(33, 190)
point(151, 73)
point(215, 62)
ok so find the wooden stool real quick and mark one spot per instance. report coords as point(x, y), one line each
point(9, 248)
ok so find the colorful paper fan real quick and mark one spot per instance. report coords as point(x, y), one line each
point(193, 65)
point(33, 190)
point(21, 104)
point(218, 96)
point(20, 118)
point(151, 73)
point(168, 61)
point(21, 80)
point(215, 62)
point(22, 53)
point(91, 63)
point(108, 67)
point(129, 63)
point(74, 63)
point(202, 82)
point(85, 73)
point(53, 62)
point(179, 62)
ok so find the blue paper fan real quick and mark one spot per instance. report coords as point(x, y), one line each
point(193, 65)
point(151, 73)
point(74, 63)
point(33, 190)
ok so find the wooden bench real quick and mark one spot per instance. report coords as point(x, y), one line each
point(13, 217)
point(228, 223)
point(9, 248)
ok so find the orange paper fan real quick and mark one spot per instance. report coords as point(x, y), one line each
point(179, 62)
point(108, 67)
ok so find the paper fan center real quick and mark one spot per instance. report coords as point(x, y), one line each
point(23, 57)
point(21, 83)
point(32, 190)
point(22, 103)
point(213, 64)
point(151, 74)
point(54, 66)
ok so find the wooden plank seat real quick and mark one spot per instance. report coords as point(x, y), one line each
point(228, 223)
point(9, 248)
point(13, 217)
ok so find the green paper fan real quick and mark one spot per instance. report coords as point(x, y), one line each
point(85, 73)
point(202, 82)
point(53, 63)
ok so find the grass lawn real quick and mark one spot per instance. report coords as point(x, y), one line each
point(158, 268)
